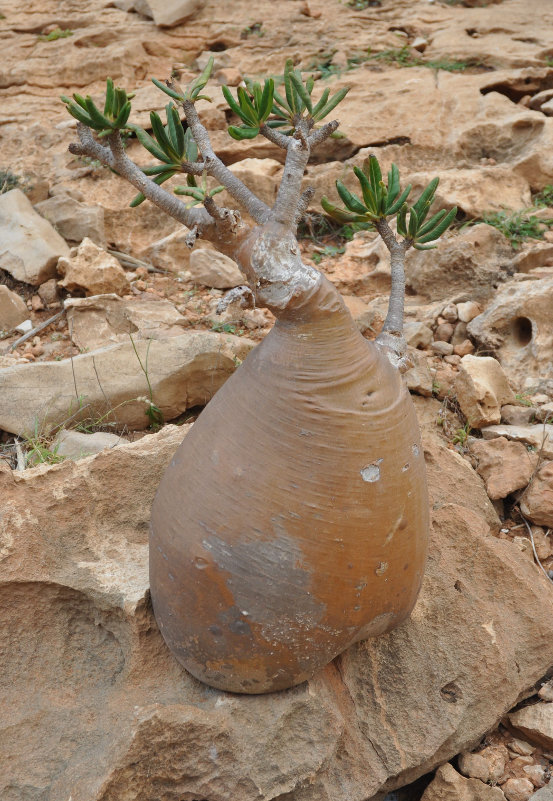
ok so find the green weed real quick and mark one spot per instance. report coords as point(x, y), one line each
point(8, 180)
point(523, 399)
point(461, 435)
point(327, 251)
point(545, 197)
point(57, 33)
point(404, 57)
point(227, 328)
point(361, 5)
point(153, 412)
point(255, 29)
point(517, 226)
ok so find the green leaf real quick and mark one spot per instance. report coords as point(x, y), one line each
point(167, 90)
point(190, 147)
point(119, 100)
point(160, 134)
point(150, 144)
point(233, 105)
point(425, 200)
point(109, 110)
point(399, 202)
point(197, 85)
point(216, 190)
point(81, 101)
point(123, 116)
point(371, 168)
point(424, 247)
point(291, 96)
point(440, 228)
point(295, 77)
point(197, 194)
point(100, 122)
point(176, 133)
point(156, 169)
point(432, 222)
point(332, 103)
point(282, 102)
point(321, 103)
point(349, 199)
point(393, 184)
point(340, 214)
point(159, 179)
point(242, 132)
point(413, 224)
point(80, 115)
point(368, 194)
point(266, 103)
point(247, 107)
point(402, 221)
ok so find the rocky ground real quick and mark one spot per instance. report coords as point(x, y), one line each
point(109, 331)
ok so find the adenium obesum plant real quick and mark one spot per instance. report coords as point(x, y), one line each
point(292, 521)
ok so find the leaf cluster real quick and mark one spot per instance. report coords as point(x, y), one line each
point(193, 91)
point(117, 107)
point(254, 104)
point(382, 200)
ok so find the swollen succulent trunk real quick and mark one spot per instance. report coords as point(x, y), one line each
point(292, 521)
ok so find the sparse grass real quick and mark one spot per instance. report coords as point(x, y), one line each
point(404, 57)
point(227, 328)
point(544, 198)
point(324, 66)
point(57, 33)
point(255, 29)
point(523, 399)
point(461, 435)
point(153, 412)
point(517, 226)
point(327, 251)
point(361, 5)
point(8, 180)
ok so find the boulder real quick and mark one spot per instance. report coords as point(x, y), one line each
point(537, 437)
point(471, 261)
point(517, 415)
point(518, 789)
point(92, 270)
point(109, 383)
point(475, 191)
point(363, 317)
point(516, 326)
point(171, 252)
point(29, 246)
point(214, 269)
point(76, 444)
point(481, 389)
point(474, 766)
point(544, 794)
point(535, 723)
point(448, 785)
point(74, 220)
point(168, 13)
point(363, 268)
point(103, 319)
point(505, 466)
point(13, 309)
point(537, 503)
point(75, 604)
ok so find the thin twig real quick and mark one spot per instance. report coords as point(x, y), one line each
point(529, 528)
point(125, 258)
point(21, 461)
point(277, 138)
point(34, 331)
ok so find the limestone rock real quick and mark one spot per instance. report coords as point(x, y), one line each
point(418, 377)
point(537, 503)
point(535, 722)
point(171, 252)
point(104, 319)
point(74, 220)
point(517, 415)
point(544, 794)
point(79, 596)
point(214, 269)
point(517, 327)
point(505, 466)
point(476, 191)
point(472, 261)
point(261, 176)
point(496, 756)
point(363, 317)
point(48, 292)
point(29, 246)
point(168, 13)
point(474, 766)
point(13, 309)
point(77, 445)
point(184, 371)
point(417, 334)
point(482, 389)
point(363, 268)
point(546, 691)
point(518, 789)
point(468, 310)
point(448, 785)
point(91, 269)
point(538, 437)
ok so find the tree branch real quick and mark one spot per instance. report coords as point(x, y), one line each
point(277, 138)
point(323, 133)
point(215, 167)
point(303, 203)
point(288, 196)
point(391, 338)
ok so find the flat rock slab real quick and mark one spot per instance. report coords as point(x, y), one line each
point(95, 708)
point(29, 246)
point(109, 383)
